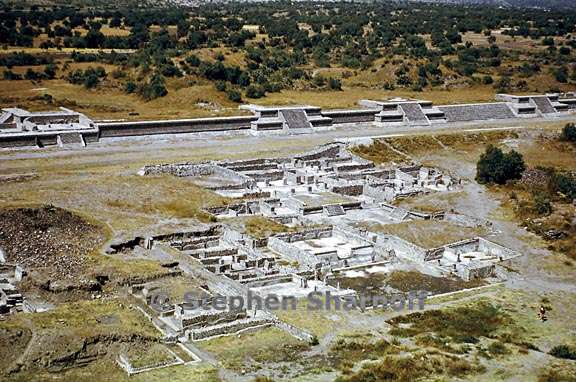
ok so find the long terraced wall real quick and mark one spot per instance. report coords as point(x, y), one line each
point(123, 129)
point(351, 116)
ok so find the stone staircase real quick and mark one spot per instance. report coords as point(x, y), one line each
point(71, 140)
point(296, 119)
point(478, 112)
point(4, 117)
point(414, 114)
point(399, 214)
point(544, 105)
point(334, 210)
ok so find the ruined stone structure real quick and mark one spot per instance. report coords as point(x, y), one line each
point(20, 128)
point(295, 119)
point(64, 128)
point(11, 300)
point(327, 182)
point(325, 197)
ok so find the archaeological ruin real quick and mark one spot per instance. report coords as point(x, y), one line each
point(326, 199)
point(66, 128)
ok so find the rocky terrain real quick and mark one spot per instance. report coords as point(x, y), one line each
point(49, 238)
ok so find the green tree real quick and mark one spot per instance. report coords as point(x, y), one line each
point(255, 92)
point(234, 95)
point(542, 204)
point(130, 87)
point(568, 133)
point(335, 84)
point(498, 167)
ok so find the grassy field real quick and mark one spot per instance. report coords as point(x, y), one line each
point(253, 351)
point(428, 234)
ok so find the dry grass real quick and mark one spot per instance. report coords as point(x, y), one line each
point(428, 234)
point(505, 42)
point(231, 57)
point(262, 227)
point(401, 149)
point(107, 102)
point(379, 153)
point(538, 153)
point(126, 203)
point(183, 100)
point(433, 202)
point(251, 351)
point(405, 281)
point(349, 97)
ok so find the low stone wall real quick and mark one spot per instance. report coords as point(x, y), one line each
point(18, 140)
point(351, 189)
point(211, 317)
point(496, 249)
point(230, 328)
point(351, 116)
point(401, 247)
point(124, 129)
point(378, 192)
point(179, 169)
point(290, 251)
point(309, 234)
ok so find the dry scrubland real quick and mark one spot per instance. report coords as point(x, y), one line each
point(198, 100)
point(193, 96)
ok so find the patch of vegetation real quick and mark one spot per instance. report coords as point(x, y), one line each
point(498, 348)
point(251, 351)
point(557, 373)
point(481, 319)
point(542, 201)
point(498, 167)
point(346, 352)
point(413, 368)
point(149, 356)
point(428, 233)
point(568, 133)
point(563, 351)
point(379, 152)
point(261, 227)
point(405, 281)
point(86, 330)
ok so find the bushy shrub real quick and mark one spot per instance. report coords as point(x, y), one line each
point(335, 84)
point(130, 87)
point(153, 89)
point(498, 167)
point(569, 133)
point(255, 92)
point(542, 204)
point(563, 351)
point(234, 95)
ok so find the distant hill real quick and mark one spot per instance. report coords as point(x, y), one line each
point(545, 4)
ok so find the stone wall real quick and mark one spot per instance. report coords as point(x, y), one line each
point(291, 252)
point(309, 234)
point(349, 189)
point(229, 328)
point(378, 192)
point(210, 317)
point(123, 129)
point(401, 247)
point(320, 152)
point(496, 249)
point(179, 169)
point(351, 116)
